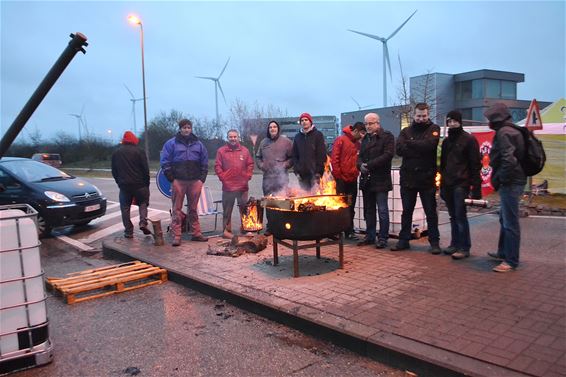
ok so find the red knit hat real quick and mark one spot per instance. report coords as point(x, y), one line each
point(130, 138)
point(305, 115)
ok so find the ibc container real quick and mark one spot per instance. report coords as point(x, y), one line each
point(24, 335)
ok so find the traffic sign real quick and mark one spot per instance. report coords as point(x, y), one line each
point(163, 183)
point(533, 121)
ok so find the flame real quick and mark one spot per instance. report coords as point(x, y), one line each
point(437, 179)
point(327, 184)
point(250, 218)
point(330, 202)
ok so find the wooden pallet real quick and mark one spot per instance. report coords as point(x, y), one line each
point(104, 281)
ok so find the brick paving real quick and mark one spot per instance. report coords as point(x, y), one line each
point(458, 315)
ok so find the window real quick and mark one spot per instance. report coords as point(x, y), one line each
point(508, 90)
point(464, 90)
point(477, 114)
point(518, 114)
point(493, 89)
point(477, 89)
point(466, 113)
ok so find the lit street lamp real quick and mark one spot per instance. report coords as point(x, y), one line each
point(136, 21)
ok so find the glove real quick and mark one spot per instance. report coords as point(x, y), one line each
point(476, 192)
point(364, 168)
point(169, 175)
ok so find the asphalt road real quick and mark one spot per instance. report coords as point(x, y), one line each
point(169, 330)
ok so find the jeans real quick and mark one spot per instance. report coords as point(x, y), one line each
point(510, 232)
point(454, 197)
point(409, 200)
point(142, 198)
point(228, 200)
point(190, 189)
point(351, 189)
point(371, 199)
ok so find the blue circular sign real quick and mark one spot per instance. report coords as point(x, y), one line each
point(163, 183)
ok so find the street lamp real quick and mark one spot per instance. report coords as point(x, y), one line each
point(136, 21)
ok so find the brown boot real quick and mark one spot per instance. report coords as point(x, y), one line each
point(177, 241)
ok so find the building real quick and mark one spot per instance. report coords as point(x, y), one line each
point(470, 92)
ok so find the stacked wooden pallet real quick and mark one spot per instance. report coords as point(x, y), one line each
point(108, 280)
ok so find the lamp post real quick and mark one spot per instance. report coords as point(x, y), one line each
point(136, 21)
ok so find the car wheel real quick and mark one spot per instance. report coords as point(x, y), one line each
point(43, 228)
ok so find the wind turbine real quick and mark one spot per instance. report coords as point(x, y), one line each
point(386, 63)
point(216, 87)
point(360, 107)
point(79, 118)
point(134, 100)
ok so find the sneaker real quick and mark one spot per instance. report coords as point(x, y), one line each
point(381, 244)
point(199, 238)
point(503, 267)
point(400, 246)
point(227, 235)
point(494, 255)
point(145, 230)
point(365, 242)
point(460, 254)
point(434, 249)
point(176, 242)
point(128, 235)
point(450, 250)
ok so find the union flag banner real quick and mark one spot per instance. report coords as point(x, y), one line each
point(485, 140)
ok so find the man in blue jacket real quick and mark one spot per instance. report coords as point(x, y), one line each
point(184, 160)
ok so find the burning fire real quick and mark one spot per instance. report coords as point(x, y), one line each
point(437, 180)
point(251, 220)
point(327, 183)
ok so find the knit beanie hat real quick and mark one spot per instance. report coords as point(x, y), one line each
point(305, 115)
point(498, 112)
point(130, 138)
point(454, 115)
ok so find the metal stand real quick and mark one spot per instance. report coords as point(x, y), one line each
point(296, 247)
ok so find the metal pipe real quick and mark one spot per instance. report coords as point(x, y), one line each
point(75, 45)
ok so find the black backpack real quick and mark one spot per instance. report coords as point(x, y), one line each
point(535, 157)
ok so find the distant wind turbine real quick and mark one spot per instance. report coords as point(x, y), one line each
point(360, 107)
point(80, 121)
point(216, 87)
point(386, 63)
point(134, 100)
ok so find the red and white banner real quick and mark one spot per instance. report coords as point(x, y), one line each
point(485, 140)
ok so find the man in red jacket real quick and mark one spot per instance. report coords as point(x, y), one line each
point(344, 157)
point(234, 167)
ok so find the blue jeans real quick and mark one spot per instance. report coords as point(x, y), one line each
point(510, 232)
point(371, 199)
point(454, 197)
point(409, 200)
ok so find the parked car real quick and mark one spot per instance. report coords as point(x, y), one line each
point(59, 198)
point(53, 159)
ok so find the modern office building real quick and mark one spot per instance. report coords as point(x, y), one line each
point(470, 92)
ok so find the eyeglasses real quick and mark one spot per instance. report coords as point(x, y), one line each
point(370, 123)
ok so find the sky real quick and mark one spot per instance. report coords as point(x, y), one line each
point(298, 56)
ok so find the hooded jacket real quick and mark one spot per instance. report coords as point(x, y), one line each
point(460, 161)
point(417, 144)
point(309, 153)
point(185, 157)
point(507, 150)
point(274, 156)
point(377, 152)
point(129, 167)
point(234, 167)
point(345, 156)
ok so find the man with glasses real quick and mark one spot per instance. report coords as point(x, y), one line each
point(417, 145)
point(374, 162)
point(309, 153)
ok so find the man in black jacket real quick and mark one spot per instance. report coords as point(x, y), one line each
point(417, 144)
point(309, 153)
point(131, 173)
point(460, 165)
point(374, 162)
point(508, 179)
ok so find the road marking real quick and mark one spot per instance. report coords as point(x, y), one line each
point(79, 245)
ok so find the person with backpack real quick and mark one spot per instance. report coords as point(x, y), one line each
point(508, 179)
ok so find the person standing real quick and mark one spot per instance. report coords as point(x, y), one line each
point(309, 153)
point(131, 173)
point(234, 167)
point(377, 150)
point(344, 169)
point(417, 145)
point(274, 158)
point(184, 160)
point(460, 166)
point(509, 180)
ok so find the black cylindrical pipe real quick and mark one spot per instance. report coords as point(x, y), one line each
point(75, 45)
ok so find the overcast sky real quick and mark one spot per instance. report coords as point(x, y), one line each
point(298, 56)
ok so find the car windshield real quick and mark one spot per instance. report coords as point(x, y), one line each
point(33, 171)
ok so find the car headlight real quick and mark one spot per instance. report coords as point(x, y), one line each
point(53, 195)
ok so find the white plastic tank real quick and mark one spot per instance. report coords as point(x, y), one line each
point(23, 312)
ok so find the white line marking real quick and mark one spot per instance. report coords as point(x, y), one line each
point(75, 243)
